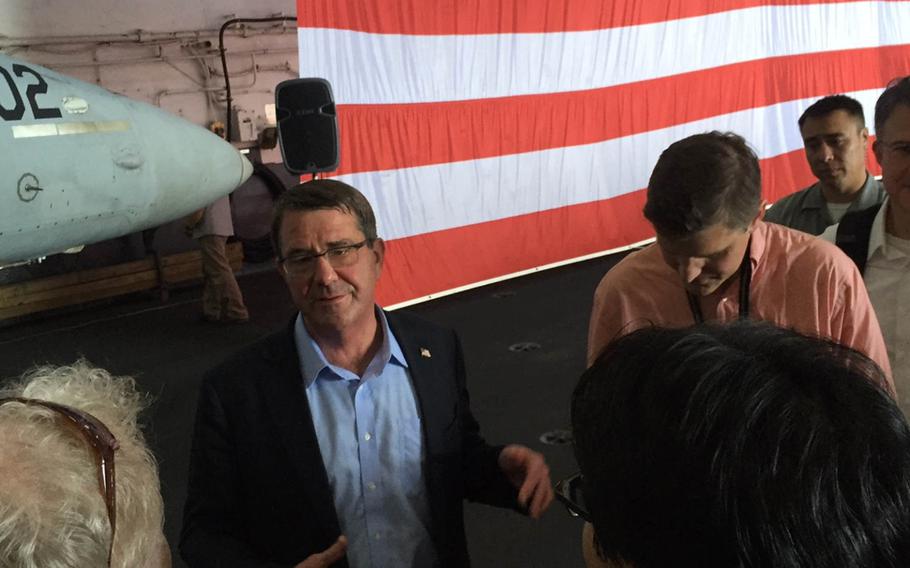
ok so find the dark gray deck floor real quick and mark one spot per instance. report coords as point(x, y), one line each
point(516, 396)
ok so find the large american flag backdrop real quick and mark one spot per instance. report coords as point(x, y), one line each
point(494, 137)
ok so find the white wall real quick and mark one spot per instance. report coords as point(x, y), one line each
point(173, 59)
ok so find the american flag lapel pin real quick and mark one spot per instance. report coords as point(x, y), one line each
point(424, 352)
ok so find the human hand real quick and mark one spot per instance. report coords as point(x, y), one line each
point(328, 556)
point(528, 471)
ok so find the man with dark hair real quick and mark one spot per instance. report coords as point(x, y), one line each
point(878, 239)
point(715, 259)
point(835, 137)
point(741, 445)
point(347, 438)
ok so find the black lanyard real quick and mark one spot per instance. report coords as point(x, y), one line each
point(745, 279)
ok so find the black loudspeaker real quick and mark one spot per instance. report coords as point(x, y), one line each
point(307, 125)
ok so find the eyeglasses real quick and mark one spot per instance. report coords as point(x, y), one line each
point(569, 493)
point(899, 150)
point(338, 257)
point(102, 442)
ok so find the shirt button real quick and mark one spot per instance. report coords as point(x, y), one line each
point(367, 436)
point(371, 486)
point(377, 536)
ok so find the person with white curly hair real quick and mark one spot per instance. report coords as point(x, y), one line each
point(78, 485)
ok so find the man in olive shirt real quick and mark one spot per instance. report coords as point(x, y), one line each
point(835, 138)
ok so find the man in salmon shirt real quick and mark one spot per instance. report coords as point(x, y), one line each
point(716, 259)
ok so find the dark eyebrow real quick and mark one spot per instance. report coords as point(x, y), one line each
point(330, 245)
point(826, 136)
point(720, 252)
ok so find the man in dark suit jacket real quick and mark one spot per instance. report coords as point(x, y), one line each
point(286, 472)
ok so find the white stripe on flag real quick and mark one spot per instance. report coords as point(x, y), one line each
point(367, 68)
point(412, 201)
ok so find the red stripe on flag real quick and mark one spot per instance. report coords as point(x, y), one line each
point(468, 17)
point(392, 136)
point(416, 267)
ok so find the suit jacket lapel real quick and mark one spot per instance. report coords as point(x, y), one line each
point(294, 424)
point(434, 394)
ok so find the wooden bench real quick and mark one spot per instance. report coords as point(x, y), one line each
point(83, 286)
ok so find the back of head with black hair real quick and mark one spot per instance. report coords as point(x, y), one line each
point(742, 445)
point(701, 181)
point(826, 105)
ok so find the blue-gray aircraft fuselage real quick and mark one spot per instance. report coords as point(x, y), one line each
point(79, 164)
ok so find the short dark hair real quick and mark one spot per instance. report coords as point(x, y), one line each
point(742, 445)
point(324, 194)
point(826, 105)
point(896, 93)
point(703, 180)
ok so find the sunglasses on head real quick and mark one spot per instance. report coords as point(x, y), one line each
point(103, 444)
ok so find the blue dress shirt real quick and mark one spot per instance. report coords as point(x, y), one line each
point(371, 441)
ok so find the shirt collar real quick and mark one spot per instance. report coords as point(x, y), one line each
point(867, 196)
point(814, 198)
point(757, 243)
point(313, 363)
point(877, 232)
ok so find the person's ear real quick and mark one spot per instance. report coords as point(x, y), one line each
point(378, 249)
